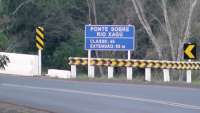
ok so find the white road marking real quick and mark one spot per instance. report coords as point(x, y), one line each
point(138, 85)
point(168, 103)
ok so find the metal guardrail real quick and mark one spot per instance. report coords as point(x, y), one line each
point(134, 63)
point(156, 64)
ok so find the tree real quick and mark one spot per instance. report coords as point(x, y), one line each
point(63, 21)
point(170, 28)
point(168, 24)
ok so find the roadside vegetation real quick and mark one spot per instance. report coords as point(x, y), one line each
point(3, 61)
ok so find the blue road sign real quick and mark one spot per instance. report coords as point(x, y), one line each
point(110, 37)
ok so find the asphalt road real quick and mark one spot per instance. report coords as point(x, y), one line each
point(65, 96)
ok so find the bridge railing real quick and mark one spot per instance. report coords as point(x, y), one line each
point(134, 63)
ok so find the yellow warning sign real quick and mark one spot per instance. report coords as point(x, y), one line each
point(40, 38)
point(190, 51)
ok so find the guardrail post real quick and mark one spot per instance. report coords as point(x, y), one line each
point(110, 72)
point(129, 70)
point(90, 68)
point(91, 72)
point(148, 74)
point(189, 76)
point(73, 71)
point(166, 75)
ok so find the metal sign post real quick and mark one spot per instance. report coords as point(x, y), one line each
point(40, 45)
point(129, 70)
point(189, 75)
point(39, 62)
point(90, 68)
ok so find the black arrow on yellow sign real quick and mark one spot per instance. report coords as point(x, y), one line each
point(189, 51)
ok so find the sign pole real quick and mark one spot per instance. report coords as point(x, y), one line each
point(39, 61)
point(90, 68)
point(89, 57)
point(189, 75)
point(40, 45)
point(189, 54)
point(129, 70)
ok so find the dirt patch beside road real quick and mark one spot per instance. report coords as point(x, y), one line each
point(13, 108)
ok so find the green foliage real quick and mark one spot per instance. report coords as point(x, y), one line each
point(73, 47)
point(63, 21)
point(3, 61)
point(3, 41)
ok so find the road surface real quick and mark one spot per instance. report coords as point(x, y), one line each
point(65, 96)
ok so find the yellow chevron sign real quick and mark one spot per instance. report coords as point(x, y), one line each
point(189, 51)
point(40, 37)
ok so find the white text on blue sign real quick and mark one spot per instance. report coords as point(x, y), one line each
point(109, 37)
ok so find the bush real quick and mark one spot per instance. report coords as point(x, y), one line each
point(3, 61)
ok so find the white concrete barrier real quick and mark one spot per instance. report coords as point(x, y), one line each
point(59, 73)
point(21, 64)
